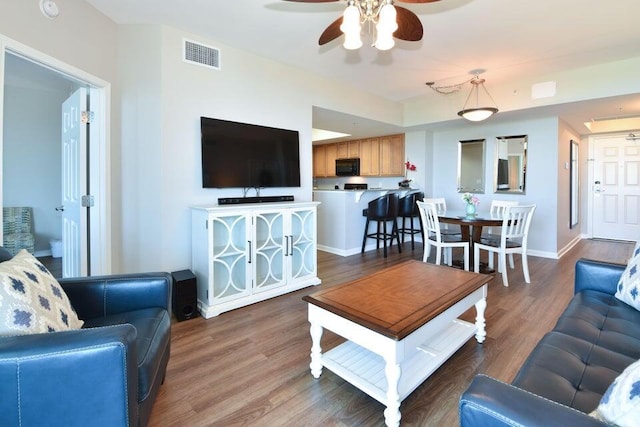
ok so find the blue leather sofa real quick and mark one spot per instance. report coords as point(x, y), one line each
point(106, 374)
point(570, 369)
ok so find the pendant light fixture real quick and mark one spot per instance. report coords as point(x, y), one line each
point(475, 112)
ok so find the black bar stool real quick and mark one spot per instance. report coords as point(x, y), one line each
point(408, 209)
point(384, 209)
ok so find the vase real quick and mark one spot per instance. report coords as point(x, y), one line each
point(471, 209)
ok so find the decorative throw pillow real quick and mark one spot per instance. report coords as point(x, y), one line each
point(620, 405)
point(31, 299)
point(628, 290)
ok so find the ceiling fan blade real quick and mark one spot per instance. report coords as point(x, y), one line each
point(332, 32)
point(409, 25)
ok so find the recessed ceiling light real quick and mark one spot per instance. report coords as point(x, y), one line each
point(49, 8)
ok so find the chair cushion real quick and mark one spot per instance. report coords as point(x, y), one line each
point(602, 319)
point(153, 334)
point(31, 299)
point(620, 405)
point(570, 371)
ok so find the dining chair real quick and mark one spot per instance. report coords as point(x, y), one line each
point(408, 210)
point(513, 239)
point(441, 208)
point(434, 236)
point(497, 210)
point(382, 210)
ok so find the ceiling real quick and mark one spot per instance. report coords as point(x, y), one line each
point(509, 39)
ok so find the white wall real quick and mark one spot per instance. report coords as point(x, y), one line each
point(32, 157)
point(163, 99)
point(541, 179)
point(565, 234)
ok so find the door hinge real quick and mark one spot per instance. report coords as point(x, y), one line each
point(86, 117)
point(88, 201)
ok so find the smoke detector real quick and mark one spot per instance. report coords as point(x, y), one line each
point(49, 8)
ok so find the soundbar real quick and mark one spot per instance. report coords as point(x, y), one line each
point(259, 199)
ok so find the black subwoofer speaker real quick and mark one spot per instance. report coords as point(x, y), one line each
point(185, 295)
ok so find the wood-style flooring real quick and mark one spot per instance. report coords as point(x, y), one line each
point(250, 366)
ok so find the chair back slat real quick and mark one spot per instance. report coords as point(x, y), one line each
point(498, 207)
point(516, 222)
point(430, 221)
point(440, 203)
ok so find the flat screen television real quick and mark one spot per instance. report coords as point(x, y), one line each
point(244, 155)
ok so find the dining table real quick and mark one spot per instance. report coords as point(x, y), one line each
point(471, 229)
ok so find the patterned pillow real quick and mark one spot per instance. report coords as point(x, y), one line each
point(31, 299)
point(620, 405)
point(628, 290)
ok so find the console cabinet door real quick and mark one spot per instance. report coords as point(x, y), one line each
point(231, 242)
point(269, 259)
point(301, 245)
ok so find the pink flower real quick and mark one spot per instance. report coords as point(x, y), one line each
point(410, 166)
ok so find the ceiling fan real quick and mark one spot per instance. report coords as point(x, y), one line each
point(390, 21)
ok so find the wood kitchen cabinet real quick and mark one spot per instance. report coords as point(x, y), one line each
point(324, 160)
point(348, 149)
point(319, 160)
point(379, 156)
point(370, 157)
point(392, 155)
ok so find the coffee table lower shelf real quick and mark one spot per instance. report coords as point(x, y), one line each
point(366, 369)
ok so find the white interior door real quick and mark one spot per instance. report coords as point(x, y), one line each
point(74, 183)
point(616, 188)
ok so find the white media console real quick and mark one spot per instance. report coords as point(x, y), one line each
point(245, 253)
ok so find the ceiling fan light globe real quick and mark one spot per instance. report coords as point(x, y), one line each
point(350, 19)
point(384, 41)
point(388, 17)
point(352, 41)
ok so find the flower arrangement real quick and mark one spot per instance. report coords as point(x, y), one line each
point(406, 182)
point(470, 199)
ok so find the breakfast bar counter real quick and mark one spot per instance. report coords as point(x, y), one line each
point(340, 219)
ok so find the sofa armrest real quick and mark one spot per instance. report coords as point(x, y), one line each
point(597, 275)
point(489, 402)
point(100, 296)
point(71, 378)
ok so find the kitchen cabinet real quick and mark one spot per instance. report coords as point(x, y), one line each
point(392, 155)
point(379, 156)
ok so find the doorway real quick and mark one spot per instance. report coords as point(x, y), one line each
point(614, 191)
point(31, 84)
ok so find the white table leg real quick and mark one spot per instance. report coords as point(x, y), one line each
point(392, 412)
point(316, 350)
point(481, 332)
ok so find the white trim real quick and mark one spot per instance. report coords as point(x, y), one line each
point(102, 90)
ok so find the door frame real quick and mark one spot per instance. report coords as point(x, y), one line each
point(99, 160)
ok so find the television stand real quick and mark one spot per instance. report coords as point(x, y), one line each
point(257, 199)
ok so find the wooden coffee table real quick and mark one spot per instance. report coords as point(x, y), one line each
point(401, 324)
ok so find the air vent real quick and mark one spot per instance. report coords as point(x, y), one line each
point(199, 54)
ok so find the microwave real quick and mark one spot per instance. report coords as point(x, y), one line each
point(347, 167)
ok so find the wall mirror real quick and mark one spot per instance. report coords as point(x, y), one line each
point(511, 164)
point(471, 166)
point(574, 185)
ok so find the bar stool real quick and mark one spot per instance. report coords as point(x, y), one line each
point(384, 209)
point(408, 209)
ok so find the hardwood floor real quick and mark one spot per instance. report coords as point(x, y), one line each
point(250, 366)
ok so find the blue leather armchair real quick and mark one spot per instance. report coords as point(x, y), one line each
point(106, 374)
point(566, 374)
